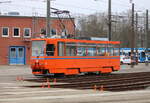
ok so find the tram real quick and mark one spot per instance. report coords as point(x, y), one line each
point(73, 56)
point(141, 53)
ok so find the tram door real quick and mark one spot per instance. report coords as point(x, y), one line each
point(50, 49)
point(17, 55)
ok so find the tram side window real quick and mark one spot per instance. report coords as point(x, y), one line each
point(50, 48)
point(86, 49)
point(61, 49)
point(71, 49)
point(110, 51)
point(91, 51)
point(101, 51)
point(81, 51)
point(116, 52)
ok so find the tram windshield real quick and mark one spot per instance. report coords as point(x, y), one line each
point(38, 48)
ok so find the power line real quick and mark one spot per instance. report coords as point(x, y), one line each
point(43, 9)
point(74, 6)
point(120, 3)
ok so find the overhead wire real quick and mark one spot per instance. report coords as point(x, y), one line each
point(59, 4)
point(122, 3)
point(74, 6)
point(137, 5)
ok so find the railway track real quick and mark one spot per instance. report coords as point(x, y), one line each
point(109, 85)
point(76, 78)
point(113, 82)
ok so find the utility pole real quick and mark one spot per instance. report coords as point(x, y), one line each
point(136, 39)
point(109, 20)
point(146, 49)
point(48, 20)
point(132, 38)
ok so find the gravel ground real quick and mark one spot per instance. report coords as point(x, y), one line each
point(12, 91)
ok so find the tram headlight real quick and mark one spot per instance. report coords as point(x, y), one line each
point(37, 61)
point(45, 63)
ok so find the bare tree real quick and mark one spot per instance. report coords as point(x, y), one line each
point(96, 25)
point(92, 25)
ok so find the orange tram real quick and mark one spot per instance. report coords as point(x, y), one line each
point(73, 56)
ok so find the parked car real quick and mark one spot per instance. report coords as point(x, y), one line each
point(125, 59)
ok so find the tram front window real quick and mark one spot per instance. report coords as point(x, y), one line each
point(38, 48)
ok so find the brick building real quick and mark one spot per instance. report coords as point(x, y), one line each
point(16, 33)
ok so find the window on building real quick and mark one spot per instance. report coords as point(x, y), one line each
point(16, 32)
point(13, 53)
point(43, 31)
point(5, 32)
point(64, 32)
point(20, 52)
point(53, 31)
point(27, 32)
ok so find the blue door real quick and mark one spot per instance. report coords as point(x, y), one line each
point(17, 55)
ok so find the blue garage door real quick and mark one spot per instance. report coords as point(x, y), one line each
point(17, 55)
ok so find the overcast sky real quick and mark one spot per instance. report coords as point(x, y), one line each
point(27, 7)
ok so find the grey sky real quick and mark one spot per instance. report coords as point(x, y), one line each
point(27, 7)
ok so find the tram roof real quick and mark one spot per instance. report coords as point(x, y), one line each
point(76, 40)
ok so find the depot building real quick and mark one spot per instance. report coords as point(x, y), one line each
point(16, 33)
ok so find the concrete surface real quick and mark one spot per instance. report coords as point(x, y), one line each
point(12, 91)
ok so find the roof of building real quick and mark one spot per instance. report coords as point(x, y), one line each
point(20, 16)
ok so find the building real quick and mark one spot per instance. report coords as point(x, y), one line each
point(16, 33)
